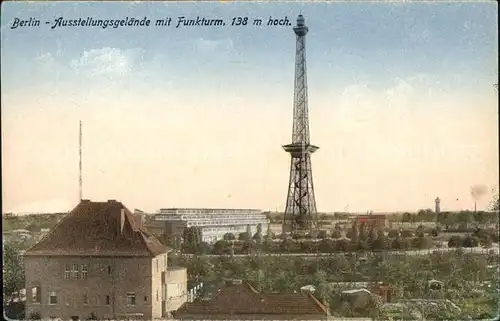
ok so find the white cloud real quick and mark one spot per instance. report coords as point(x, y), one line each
point(221, 46)
point(107, 62)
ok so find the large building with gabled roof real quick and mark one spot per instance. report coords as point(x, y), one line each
point(238, 300)
point(97, 262)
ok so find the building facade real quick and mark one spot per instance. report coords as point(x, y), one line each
point(97, 263)
point(214, 223)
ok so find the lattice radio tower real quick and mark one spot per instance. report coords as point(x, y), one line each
point(300, 211)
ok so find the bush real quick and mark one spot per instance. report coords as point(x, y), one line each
point(336, 234)
point(322, 234)
point(470, 241)
point(406, 233)
point(455, 241)
point(393, 233)
point(244, 236)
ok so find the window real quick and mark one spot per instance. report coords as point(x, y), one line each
point(74, 272)
point(84, 269)
point(36, 294)
point(156, 295)
point(67, 272)
point(146, 298)
point(131, 299)
point(108, 300)
point(109, 269)
point(52, 298)
point(85, 299)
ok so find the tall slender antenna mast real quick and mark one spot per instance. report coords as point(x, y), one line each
point(80, 161)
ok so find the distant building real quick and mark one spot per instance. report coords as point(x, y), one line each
point(240, 301)
point(214, 223)
point(438, 205)
point(98, 262)
point(379, 220)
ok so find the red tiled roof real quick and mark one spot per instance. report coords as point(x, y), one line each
point(98, 229)
point(244, 299)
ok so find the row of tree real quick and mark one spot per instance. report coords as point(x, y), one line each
point(360, 237)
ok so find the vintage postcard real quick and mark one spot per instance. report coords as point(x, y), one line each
point(250, 160)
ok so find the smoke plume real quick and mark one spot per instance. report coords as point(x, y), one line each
point(478, 191)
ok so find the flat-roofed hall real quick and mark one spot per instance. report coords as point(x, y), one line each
point(213, 223)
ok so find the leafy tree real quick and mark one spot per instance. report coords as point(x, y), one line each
point(245, 236)
point(353, 233)
point(203, 248)
point(248, 247)
point(406, 233)
point(257, 238)
point(399, 243)
point(486, 242)
point(307, 247)
point(222, 247)
point(192, 237)
point(269, 236)
point(229, 237)
point(434, 232)
point(495, 203)
point(422, 243)
point(336, 234)
point(342, 245)
point(287, 246)
point(326, 246)
point(419, 231)
point(470, 241)
point(406, 217)
point(322, 234)
point(13, 277)
point(455, 241)
point(381, 243)
point(373, 234)
point(362, 246)
point(363, 232)
point(393, 233)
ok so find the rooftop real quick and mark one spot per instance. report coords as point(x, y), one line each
point(241, 298)
point(98, 229)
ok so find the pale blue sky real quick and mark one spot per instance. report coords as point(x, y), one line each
point(384, 78)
